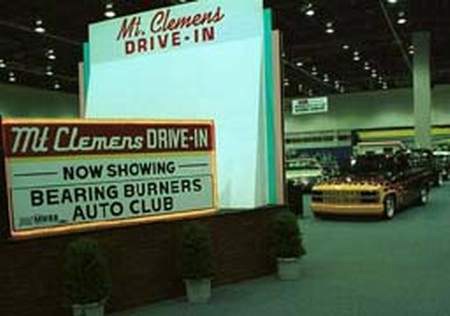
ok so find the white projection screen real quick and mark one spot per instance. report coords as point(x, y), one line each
point(219, 77)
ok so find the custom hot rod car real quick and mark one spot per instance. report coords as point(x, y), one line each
point(375, 184)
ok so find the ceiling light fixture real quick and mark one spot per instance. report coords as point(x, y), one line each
point(374, 74)
point(356, 58)
point(109, 10)
point(326, 78)
point(367, 66)
point(345, 47)
point(401, 18)
point(51, 54)
point(385, 86)
point(56, 86)
point(2, 63)
point(12, 77)
point(39, 26)
point(329, 29)
point(310, 12)
point(314, 71)
point(342, 89)
point(392, 1)
point(299, 64)
point(49, 71)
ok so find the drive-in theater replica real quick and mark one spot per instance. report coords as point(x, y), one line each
point(224, 157)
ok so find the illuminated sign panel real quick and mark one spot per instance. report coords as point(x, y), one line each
point(65, 176)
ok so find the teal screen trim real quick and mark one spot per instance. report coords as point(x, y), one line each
point(87, 68)
point(270, 103)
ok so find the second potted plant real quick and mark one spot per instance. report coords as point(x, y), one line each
point(87, 278)
point(288, 246)
point(196, 260)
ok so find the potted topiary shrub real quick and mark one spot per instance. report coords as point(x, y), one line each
point(288, 245)
point(196, 261)
point(87, 278)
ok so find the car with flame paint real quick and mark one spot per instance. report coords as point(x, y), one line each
point(375, 185)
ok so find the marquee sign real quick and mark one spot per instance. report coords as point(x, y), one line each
point(75, 175)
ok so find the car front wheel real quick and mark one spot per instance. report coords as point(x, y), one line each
point(424, 196)
point(441, 179)
point(389, 206)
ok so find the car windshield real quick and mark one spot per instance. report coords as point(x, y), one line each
point(376, 164)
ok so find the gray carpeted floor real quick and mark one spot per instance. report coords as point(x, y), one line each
point(353, 267)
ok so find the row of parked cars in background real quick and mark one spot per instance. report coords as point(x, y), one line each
point(381, 179)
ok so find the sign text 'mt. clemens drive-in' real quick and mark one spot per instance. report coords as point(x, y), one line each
point(163, 29)
point(64, 176)
point(68, 139)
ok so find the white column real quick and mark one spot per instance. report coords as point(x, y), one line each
point(422, 89)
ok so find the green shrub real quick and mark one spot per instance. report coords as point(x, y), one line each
point(196, 251)
point(287, 237)
point(87, 277)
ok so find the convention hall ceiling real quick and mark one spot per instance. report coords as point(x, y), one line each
point(330, 46)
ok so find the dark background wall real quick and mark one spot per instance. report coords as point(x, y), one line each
point(18, 101)
point(144, 263)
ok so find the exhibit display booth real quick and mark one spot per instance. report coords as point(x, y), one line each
point(180, 121)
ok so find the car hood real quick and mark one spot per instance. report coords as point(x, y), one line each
point(352, 183)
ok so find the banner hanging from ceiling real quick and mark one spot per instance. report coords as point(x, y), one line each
point(309, 106)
